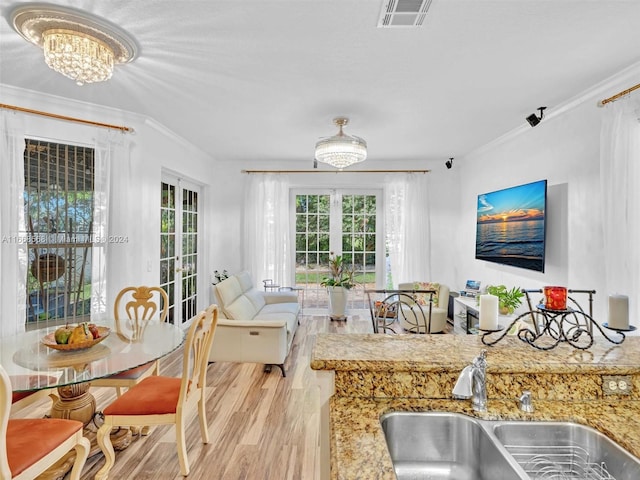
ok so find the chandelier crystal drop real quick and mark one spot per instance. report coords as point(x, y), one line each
point(78, 56)
point(77, 44)
point(341, 150)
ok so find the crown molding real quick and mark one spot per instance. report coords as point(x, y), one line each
point(34, 99)
point(594, 94)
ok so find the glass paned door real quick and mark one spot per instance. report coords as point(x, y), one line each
point(359, 237)
point(312, 245)
point(179, 228)
point(342, 222)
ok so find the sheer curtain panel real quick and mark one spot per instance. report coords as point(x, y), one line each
point(407, 224)
point(267, 251)
point(114, 263)
point(13, 245)
point(620, 187)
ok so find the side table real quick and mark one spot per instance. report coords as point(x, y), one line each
point(269, 285)
point(466, 314)
point(299, 290)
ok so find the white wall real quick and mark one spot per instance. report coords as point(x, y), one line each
point(152, 149)
point(564, 149)
point(229, 193)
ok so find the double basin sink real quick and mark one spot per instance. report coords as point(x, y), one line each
point(444, 446)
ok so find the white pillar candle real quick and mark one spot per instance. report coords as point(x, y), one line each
point(488, 312)
point(619, 312)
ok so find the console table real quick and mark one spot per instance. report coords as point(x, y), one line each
point(466, 315)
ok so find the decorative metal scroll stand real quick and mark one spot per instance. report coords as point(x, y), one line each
point(573, 326)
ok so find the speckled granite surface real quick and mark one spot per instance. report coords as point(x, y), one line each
point(376, 374)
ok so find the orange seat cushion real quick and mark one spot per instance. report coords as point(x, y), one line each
point(133, 373)
point(30, 439)
point(15, 396)
point(155, 395)
point(34, 381)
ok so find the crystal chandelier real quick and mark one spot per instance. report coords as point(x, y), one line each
point(341, 151)
point(78, 56)
point(81, 47)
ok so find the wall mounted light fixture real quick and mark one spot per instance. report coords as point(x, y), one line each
point(449, 163)
point(534, 119)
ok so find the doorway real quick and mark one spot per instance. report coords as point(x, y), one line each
point(343, 222)
point(179, 232)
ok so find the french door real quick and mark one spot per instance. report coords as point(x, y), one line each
point(342, 222)
point(179, 242)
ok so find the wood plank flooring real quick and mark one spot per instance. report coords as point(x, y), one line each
point(261, 426)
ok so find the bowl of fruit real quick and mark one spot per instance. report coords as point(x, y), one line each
point(84, 335)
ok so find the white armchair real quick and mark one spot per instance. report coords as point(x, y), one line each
point(439, 309)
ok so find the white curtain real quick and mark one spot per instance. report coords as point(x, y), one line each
point(13, 246)
point(620, 187)
point(407, 225)
point(267, 251)
point(125, 215)
point(114, 200)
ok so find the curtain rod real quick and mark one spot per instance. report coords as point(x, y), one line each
point(618, 95)
point(69, 119)
point(335, 171)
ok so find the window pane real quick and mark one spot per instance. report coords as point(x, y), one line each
point(58, 197)
point(323, 223)
point(312, 203)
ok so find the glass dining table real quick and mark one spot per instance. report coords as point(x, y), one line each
point(32, 365)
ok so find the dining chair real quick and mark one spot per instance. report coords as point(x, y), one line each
point(161, 400)
point(29, 446)
point(133, 309)
point(22, 400)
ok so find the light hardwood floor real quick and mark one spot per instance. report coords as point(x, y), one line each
point(261, 426)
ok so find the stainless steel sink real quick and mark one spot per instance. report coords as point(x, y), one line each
point(566, 450)
point(439, 446)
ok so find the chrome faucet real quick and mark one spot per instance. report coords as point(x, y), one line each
point(525, 403)
point(472, 383)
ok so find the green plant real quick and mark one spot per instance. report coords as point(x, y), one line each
point(341, 273)
point(220, 276)
point(508, 300)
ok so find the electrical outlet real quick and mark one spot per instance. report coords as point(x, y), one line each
point(616, 384)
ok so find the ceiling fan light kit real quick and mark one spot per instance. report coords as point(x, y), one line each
point(341, 150)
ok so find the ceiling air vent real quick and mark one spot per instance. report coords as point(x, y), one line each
point(403, 13)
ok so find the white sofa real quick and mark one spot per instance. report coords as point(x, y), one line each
point(253, 326)
point(439, 309)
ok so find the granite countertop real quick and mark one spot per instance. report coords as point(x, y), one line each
point(378, 352)
point(376, 374)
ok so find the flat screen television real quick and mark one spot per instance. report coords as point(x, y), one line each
point(511, 226)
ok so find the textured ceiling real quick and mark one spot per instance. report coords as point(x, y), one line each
point(262, 80)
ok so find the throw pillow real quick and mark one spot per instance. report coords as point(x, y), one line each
point(384, 309)
point(423, 298)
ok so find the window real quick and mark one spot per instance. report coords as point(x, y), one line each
point(345, 223)
point(58, 197)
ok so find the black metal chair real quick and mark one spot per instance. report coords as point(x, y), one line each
point(399, 309)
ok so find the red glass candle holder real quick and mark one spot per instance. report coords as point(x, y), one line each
point(555, 298)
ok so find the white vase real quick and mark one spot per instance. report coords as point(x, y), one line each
point(337, 303)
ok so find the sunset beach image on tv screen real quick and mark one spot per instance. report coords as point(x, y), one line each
point(511, 226)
